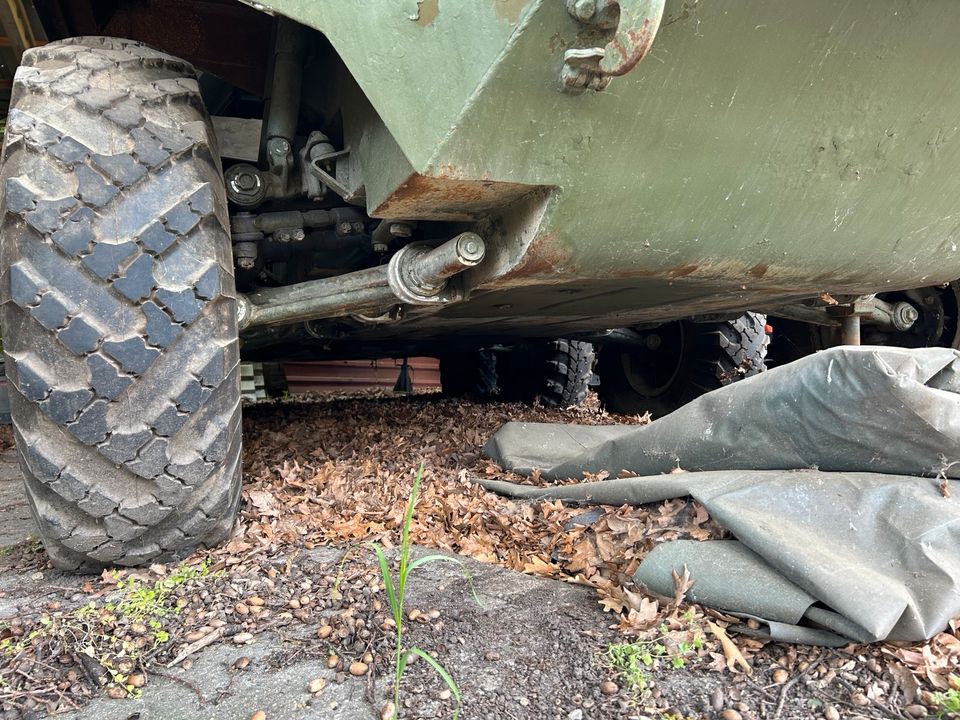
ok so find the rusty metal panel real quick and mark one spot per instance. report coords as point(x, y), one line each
point(359, 374)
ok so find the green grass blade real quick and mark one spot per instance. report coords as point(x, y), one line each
point(427, 559)
point(405, 531)
point(441, 671)
point(402, 662)
point(395, 601)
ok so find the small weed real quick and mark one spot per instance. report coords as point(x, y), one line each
point(947, 704)
point(396, 588)
point(118, 634)
point(141, 601)
point(631, 661)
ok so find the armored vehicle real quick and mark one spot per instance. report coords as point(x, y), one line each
point(186, 183)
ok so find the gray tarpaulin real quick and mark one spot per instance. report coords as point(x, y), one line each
point(824, 470)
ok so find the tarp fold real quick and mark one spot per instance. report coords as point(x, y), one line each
point(828, 473)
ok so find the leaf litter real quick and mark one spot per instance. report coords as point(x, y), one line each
point(337, 471)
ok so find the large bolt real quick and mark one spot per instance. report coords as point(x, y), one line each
point(245, 181)
point(904, 315)
point(244, 185)
point(470, 248)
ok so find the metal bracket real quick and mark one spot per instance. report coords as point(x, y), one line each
point(634, 31)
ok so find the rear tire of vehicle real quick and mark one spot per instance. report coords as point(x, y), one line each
point(557, 373)
point(698, 358)
point(469, 374)
point(118, 305)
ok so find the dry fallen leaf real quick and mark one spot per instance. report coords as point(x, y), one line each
point(681, 586)
point(731, 652)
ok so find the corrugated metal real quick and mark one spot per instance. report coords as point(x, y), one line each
point(358, 374)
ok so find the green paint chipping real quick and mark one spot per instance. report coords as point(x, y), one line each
point(427, 11)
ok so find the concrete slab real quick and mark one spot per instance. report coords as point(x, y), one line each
point(17, 524)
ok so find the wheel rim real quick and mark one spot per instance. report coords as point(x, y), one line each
point(939, 311)
point(939, 321)
point(652, 369)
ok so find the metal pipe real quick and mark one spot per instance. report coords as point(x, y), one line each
point(465, 250)
point(292, 219)
point(324, 287)
point(418, 274)
point(315, 308)
point(283, 109)
point(850, 330)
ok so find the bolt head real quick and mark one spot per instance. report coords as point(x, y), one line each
point(280, 147)
point(470, 248)
point(246, 181)
point(585, 9)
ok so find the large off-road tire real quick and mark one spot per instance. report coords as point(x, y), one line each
point(118, 305)
point(687, 360)
point(555, 372)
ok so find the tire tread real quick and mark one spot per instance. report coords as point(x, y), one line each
point(106, 307)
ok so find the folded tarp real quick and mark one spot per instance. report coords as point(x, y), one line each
point(827, 471)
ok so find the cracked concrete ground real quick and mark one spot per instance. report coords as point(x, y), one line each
point(17, 523)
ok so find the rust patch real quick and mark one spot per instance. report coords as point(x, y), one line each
point(545, 257)
point(448, 198)
point(758, 270)
point(509, 10)
point(682, 271)
point(427, 11)
point(630, 46)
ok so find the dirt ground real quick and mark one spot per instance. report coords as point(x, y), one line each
point(290, 618)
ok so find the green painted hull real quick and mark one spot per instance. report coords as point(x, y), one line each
point(764, 151)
